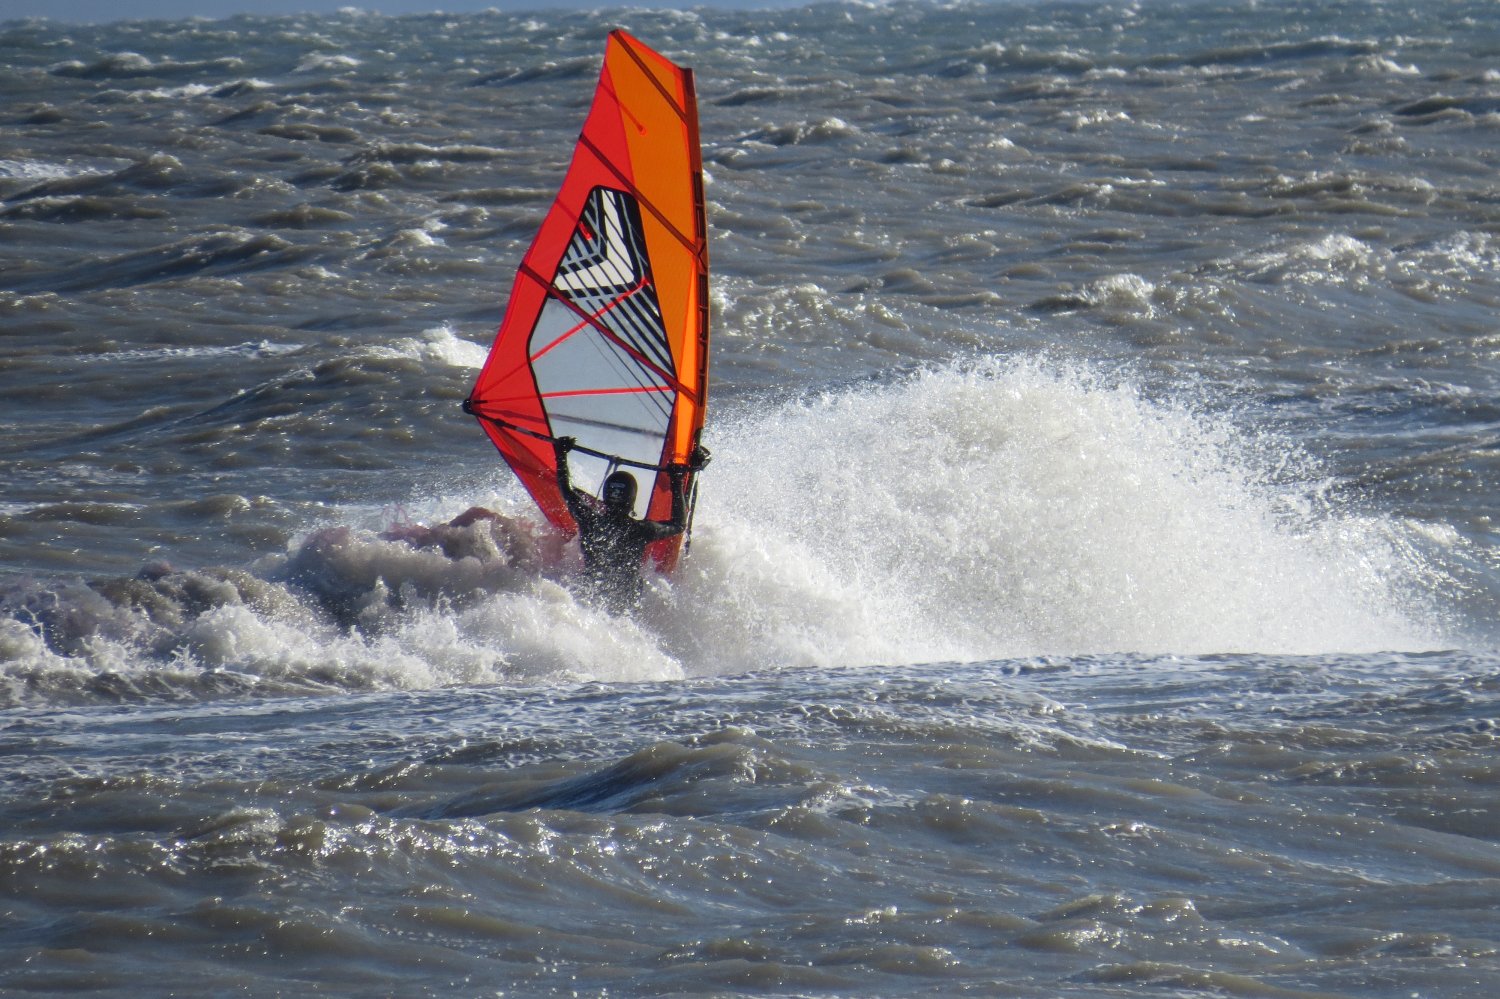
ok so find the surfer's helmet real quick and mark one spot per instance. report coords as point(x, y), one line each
point(619, 491)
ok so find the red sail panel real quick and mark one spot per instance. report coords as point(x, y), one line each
point(605, 338)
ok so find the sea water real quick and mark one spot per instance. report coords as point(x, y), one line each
point(1093, 591)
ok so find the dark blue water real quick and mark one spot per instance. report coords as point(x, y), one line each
point(1093, 591)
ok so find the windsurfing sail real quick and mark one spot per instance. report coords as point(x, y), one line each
point(605, 337)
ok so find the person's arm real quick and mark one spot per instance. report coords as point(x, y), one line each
point(677, 476)
point(658, 529)
point(576, 506)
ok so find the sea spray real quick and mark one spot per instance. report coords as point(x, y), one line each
point(1023, 507)
point(1009, 507)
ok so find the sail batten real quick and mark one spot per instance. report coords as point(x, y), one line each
point(605, 336)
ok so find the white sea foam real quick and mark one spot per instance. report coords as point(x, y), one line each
point(439, 345)
point(1460, 256)
point(1011, 509)
point(325, 61)
point(1122, 291)
point(1021, 509)
point(1336, 258)
point(173, 93)
point(257, 348)
point(28, 169)
point(412, 619)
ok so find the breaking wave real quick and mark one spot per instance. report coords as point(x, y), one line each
point(996, 510)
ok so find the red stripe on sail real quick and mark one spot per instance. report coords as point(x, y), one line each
point(632, 390)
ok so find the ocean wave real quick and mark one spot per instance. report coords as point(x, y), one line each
point(211, 254)
point(151, 174)
point(1443, 106)
point(1128, 294)
point(303, 131)
point(803, 132)
point(130, 65)
point(319, 62)
point(82, 208)
point(568, 69)
point(1018, 58)
point(417, 152)
point(1024, 509)
point(1274, 52)
point(257, 348)
point(43, 170)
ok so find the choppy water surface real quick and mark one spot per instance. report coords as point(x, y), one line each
point(1093, 592)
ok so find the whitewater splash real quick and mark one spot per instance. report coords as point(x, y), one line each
point(986, 511)
point(1021, 508)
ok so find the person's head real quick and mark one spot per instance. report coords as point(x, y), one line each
point(619, 492)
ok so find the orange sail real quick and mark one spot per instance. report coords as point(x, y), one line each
point(605, 338)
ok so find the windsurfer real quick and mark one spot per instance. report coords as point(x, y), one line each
point(612, 541)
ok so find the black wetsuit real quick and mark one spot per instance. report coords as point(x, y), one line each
point(614, 544)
